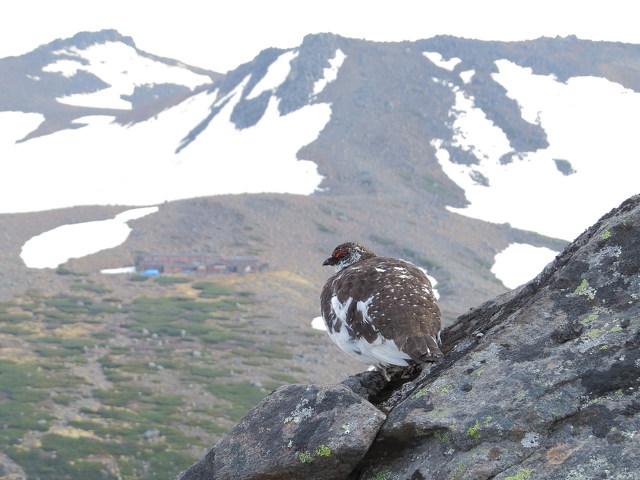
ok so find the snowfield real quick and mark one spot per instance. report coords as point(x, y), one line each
point(133, 70)
point(590, 122)
point(519, 263)
point(105, 163)
point(591, 126)
point(56, 246)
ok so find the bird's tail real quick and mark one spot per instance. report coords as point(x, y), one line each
point(423, 349)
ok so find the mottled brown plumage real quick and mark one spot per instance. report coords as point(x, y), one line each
point(380, 310)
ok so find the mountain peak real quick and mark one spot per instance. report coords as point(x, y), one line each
point(83, 40)
point(94, 73)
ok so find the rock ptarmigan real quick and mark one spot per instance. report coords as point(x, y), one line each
point(380, 310)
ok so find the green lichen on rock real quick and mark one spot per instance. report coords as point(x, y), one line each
point(521, 474)
point(381, 476)
point(421, 393)
point(584, 284)
point(305, 457)
point(606, 235)
point(589, 319)
point(584, 289)
point(323, 451)
point(458, 472)
point(596, 332)
point(473, 431)
point(443, 436)
point(443, 389)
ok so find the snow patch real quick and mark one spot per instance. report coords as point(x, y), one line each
point(467, 75)
point(318, 324)
point(122, 68)
point(439, 60)
point(527, 191)
point(434, 282)
point(519, 263)
point(331, 73)
point(15, 126)
point(66, 68)
point(276, 75)
point(51, 248)
point(119, 271)
point(475, 133)
point(137, 164)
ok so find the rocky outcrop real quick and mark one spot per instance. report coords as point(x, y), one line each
point(539, 383)
point(294, 433)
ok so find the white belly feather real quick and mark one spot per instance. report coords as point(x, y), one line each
point(381, 352)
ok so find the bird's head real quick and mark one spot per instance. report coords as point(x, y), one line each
point(347, 254)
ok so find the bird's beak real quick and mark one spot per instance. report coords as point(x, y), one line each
point(329, 261)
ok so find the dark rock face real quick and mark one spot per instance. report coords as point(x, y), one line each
point(543, 381)
point(539, 383)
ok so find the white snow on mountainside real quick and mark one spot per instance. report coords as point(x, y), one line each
point(519, 263)
point(590, 122)
point(331, 73)
point(276, 74)
point(106, 163)
point(132, 69)
point(51, 248)
point(439, 60)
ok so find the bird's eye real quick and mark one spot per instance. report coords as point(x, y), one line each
point(340, 254)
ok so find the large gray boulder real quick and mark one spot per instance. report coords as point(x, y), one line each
point(296, 432)
point(539, 383)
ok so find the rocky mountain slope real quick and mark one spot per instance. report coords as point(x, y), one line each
point(538, 383)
